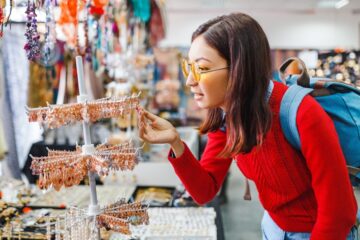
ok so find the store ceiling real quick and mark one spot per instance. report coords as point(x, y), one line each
point(303, 6)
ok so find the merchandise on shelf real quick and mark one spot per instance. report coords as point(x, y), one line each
point(80, 196)
point(337, 64)
point(177, 223)
point(341, 66)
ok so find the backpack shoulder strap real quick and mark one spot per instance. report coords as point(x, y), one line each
point(288, 110)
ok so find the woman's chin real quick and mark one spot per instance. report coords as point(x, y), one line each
point(202, 105)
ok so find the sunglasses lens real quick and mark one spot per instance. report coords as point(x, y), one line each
point(185, 68)
point(195, 72)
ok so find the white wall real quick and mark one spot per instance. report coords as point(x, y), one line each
point(320, 30)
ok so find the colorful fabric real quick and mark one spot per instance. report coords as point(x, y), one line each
point(142, 9)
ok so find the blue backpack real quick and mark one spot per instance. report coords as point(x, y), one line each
point(342, 103)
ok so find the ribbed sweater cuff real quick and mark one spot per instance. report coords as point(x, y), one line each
point(182, 161)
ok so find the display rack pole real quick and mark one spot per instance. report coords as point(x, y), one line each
point(88, 148)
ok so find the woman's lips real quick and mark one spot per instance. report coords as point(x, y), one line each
point(198, 96)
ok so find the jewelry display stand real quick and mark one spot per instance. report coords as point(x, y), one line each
point(68, 168)
point(88, 148)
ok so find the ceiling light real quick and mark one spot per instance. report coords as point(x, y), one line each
point(341, 3)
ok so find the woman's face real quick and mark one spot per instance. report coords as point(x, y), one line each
point(210, 91)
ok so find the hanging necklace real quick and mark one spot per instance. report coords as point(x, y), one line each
point(32, 46)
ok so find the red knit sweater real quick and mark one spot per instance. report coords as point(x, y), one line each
point(308, 192)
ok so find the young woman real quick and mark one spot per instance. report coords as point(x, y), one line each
point(307, 194)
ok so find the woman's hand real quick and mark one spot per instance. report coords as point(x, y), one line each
point(154, 129)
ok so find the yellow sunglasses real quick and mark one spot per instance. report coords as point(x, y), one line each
point(188, 67)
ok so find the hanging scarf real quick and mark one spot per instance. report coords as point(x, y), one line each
point(142, 9)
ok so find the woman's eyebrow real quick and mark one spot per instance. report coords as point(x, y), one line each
point(202, 58)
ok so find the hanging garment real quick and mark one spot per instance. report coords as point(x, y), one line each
point(157, 29)
point(162, 8)
point(20, 134)
point(40, 91)
point(3, 145)
point(142, 9)
point(94, 85)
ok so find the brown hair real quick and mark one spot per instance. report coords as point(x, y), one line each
point(240, 40)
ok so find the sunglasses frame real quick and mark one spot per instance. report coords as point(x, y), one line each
point(194, 69)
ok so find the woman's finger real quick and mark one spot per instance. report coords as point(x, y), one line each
point(142, 121)
point(142, 118)
point(142, 128)
point(150, 116)
point(141, 132)
point(151, 138)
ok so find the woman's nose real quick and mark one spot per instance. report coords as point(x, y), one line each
point(190, 81)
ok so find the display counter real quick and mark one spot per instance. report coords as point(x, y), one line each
point(166, 222)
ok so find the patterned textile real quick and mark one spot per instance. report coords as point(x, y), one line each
point(19, 133)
